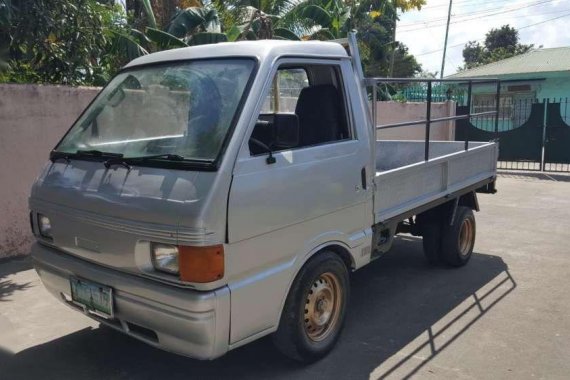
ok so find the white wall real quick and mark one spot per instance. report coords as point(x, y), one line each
point(395, 112)
point(32, 120)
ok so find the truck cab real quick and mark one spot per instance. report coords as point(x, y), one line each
point(216, 194)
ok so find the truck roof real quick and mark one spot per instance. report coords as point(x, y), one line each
point(262, 49)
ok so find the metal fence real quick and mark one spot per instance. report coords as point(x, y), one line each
point(440, 92)
point(534, 134)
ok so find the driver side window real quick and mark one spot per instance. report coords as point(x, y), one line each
point(299, 112)
point(287, 86)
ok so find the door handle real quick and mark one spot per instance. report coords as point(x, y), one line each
point(363, 178)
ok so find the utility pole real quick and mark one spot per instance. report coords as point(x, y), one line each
point(445, 43)
point(391, 72)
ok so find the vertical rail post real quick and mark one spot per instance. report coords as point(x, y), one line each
point(469, 97)
point(497, 109)
point(428, 119)
point(545, 102)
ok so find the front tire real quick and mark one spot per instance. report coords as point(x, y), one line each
point(315, 309)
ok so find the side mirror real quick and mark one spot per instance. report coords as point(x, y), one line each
point(286, 130)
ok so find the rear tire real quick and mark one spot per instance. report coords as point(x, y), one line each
point(315, 308)
point(458, 239)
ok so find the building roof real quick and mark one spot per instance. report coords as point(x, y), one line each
point(262, 49)
point(535, 61)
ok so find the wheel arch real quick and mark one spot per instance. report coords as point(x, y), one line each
point(470, 200)
point(448, 210)
point(337, 247)
point(341, 252)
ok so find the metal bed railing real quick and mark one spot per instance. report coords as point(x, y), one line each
point(428, 121)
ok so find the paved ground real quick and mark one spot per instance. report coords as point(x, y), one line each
point(505, 315)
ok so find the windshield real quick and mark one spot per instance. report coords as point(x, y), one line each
point(184, 109)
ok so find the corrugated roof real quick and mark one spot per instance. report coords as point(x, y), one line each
point(535, 61)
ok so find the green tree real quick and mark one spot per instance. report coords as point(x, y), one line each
point(55, 41)
point(375, 21)
point(86, 41)
point(499, 44)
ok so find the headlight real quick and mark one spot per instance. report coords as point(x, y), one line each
point(45, 226)
point(165, 258)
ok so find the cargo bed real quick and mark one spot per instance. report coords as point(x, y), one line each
point(405, 182)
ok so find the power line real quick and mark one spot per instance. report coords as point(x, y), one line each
point(468, 3)
point(486, 10)
point(480, 14)
point(481, 39)
point(494, 18)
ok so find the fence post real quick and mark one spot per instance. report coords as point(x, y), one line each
point(498, 109)
point(545, 102)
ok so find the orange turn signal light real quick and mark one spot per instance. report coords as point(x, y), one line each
point(201, 264)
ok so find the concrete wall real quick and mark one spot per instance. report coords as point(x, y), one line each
point(32, 120)
point(396, 112)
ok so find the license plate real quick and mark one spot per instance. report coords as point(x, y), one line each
point(95, 298)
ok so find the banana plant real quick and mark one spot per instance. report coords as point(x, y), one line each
point(149, 13)
point(257, 19)
point(190, 26)
point(327, 19)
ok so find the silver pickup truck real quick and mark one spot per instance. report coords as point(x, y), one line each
point(212, 195)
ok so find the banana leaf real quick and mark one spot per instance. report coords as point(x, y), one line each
point(189, 20)
point(207, 38)
point(149, 13)
point(317, 15)
point(285, 34)
point(164, 40)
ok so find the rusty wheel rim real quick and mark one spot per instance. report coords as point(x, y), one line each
point(466, 237)
point(322, 307)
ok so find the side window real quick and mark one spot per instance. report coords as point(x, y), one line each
point(287, 86)
point(299, 113)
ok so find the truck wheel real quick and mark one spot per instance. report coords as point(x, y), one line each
point(458, 239)
point(314, 311)
point(431, 240)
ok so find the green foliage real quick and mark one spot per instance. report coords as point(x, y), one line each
point(499, 44)
point(376, 31)
point(164, 40)
point(194, 20)
point(87, 41)
point(205, 38)
point(58, 41)
point(20, 73)
point(149, 13)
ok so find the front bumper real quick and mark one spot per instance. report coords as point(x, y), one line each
point(180, 320)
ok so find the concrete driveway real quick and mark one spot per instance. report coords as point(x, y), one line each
point(505, 315)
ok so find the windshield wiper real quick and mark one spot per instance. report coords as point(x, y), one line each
point(167, 156)
point(98, 153)
point(55, 156)
point(128, 161)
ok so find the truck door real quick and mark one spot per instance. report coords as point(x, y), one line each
point(312, 190)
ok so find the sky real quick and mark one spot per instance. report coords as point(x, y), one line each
point(541, 22)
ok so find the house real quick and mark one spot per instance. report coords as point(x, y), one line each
point(535, 76)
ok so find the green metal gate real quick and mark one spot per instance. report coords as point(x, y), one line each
point(557, 137)
point(533, 134)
